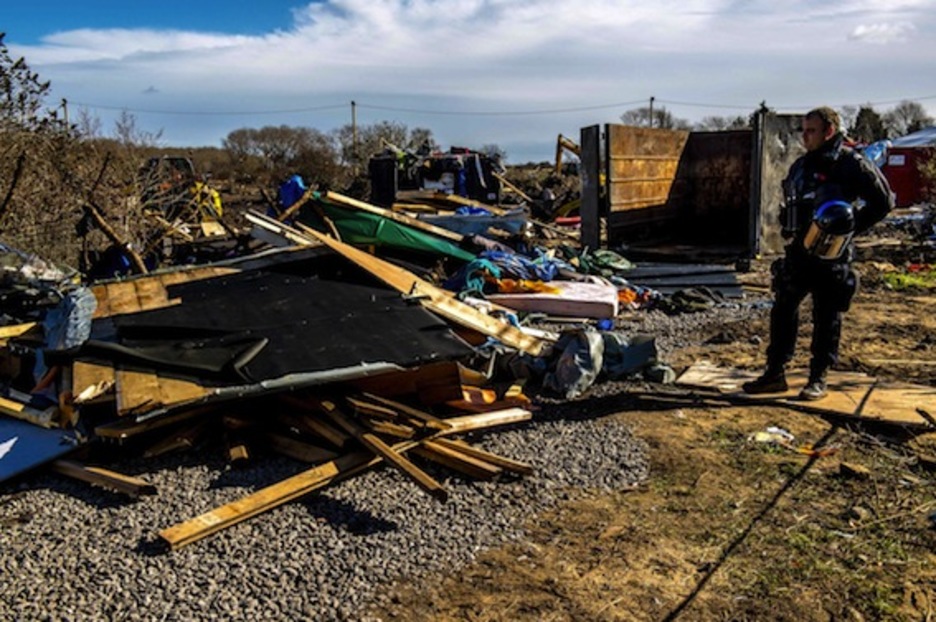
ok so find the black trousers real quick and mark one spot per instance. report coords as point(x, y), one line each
point(832, 286)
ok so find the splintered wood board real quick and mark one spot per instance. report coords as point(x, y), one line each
point(147, 292)
point(886, 402)
point(87, 373)
point(139, 391)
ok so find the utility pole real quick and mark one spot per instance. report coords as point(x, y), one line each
point(65, 112)
point(354, 145)
point(651, 110)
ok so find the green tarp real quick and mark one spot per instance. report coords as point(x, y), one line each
point(362, 228)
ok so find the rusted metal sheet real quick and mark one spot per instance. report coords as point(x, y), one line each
point(642, 167)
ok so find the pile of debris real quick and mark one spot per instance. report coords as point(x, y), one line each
point(314, 348)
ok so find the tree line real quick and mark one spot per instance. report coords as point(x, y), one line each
point(864, 124)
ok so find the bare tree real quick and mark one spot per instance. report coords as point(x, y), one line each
point(282, 151)
point(719, 124)
point(905, 118)
point(662, 118)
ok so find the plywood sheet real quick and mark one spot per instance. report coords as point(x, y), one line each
point(147, 292)
point(898, 401)
point(86, 374)
point(141, 391)
point(846, 389)
point(850, 393)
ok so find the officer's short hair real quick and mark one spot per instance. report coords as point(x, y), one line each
point(828, 116)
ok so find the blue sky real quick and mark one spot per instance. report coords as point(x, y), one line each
point(511, 72)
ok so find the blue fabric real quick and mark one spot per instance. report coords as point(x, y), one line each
point(291, 191)
point(520, 267)
point(471, 210)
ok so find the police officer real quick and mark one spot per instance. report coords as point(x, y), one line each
point(831, 193)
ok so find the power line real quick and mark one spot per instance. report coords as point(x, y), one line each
point(469, 113)
point(519, 113)
point(210, 113)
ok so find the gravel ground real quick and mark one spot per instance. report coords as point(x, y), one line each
point(72, 552)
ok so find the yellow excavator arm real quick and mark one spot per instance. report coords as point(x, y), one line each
point(564, 143)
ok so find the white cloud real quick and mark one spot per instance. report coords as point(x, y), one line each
point(501, 56)
point(882, 33)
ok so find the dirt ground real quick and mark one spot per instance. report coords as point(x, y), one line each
point(730, 529)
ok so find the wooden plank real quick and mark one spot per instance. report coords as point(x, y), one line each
point(265, 499)
point(415, 223)
point(15, 330)
point(137, 391)
point(143, 390)
point(152, 294)
point(373, 410)
point(433, 383)
point(427, 419)
point(128, 427)
point(452, 199)
point(457, 460)
point(94, 377)
point(303, 483)
point(176, 391)
point(121, 298)
point(514, 466)
point(180, 440)
point(434, 298)
point(126, 484)
point(380, 448)
point(388, 428)
point(298, 450)
point(46, 418)
point(309, 421)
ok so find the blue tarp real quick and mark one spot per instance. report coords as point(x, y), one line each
point(924, 138)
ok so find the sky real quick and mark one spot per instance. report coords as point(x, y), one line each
point(515, 73)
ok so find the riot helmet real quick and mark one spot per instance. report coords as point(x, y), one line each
point(831, 229)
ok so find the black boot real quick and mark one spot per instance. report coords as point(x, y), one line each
point(771, 381)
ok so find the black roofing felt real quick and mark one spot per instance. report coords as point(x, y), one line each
point(265, 324)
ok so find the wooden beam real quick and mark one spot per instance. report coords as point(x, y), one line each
point(183, 439)
point(18, 410)
point(457, 460)
point(92, 210)
point(523, 195)
point(318, 477)
point(310, 422)
point(132, 486)
point(426, 419)
point(380, 448)
point(391, 429)
point(514, 466)
point(295, 207)
point(460, 200)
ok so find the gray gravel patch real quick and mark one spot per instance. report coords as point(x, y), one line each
point(73, 552)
